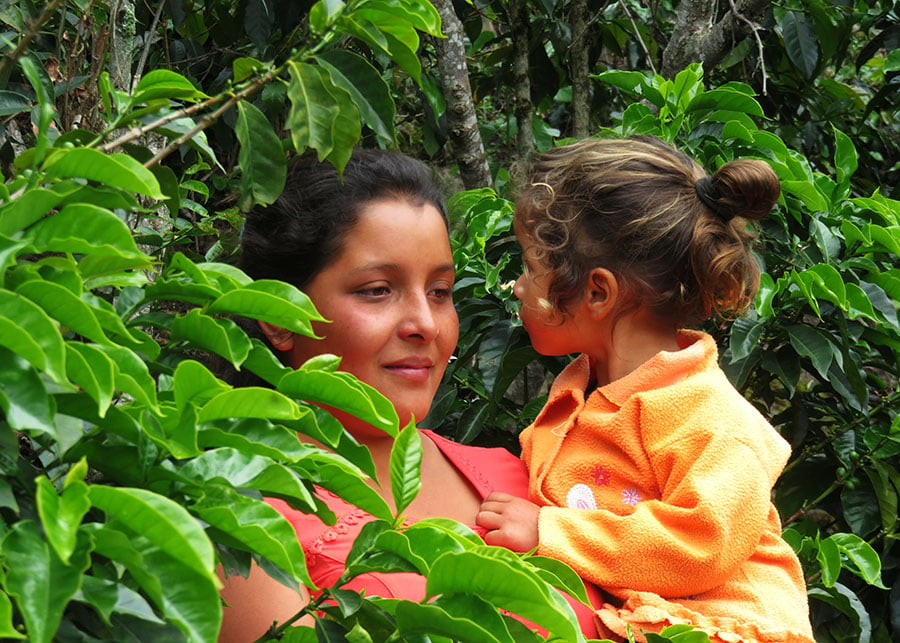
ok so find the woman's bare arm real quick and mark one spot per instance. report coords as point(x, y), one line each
point(252, 604)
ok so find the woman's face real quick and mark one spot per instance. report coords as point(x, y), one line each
point(388, 295)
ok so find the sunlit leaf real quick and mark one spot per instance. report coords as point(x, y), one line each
point(263, 164)
point(120, 170)
point(405, 464)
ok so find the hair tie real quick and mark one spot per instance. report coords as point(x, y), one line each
point(709, 195)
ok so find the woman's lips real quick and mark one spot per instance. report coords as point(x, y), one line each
point(417, 370)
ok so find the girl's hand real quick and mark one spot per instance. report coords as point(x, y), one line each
point(511, 522)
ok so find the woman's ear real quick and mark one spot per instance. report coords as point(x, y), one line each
point(280, 338)
point(602, 293)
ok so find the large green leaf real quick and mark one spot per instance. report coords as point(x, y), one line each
point(186, 597)
point(501, 578)
point(164, 83)
point(27, 331)
point(257, 525)
point(801, 42)
point(345, 480)
point(342, 391)
point(132, 375)
point(810, 342)
point(313, 113)
point(365, 85)
point(92, 370)
point(250, 402)
point(28, 208)
point(61, 514)
point(263, 164)
point(247, 471)
point(23, 396)
point(271, 301)
point(119, 170)
point(40, 583)
point(65, 307)
point(194, 383)
point(217, 335)
point(405, 465)
point(163, 522)
point(458, 617)
point(86, 228)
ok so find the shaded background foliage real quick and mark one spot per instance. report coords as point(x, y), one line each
point(811, 86)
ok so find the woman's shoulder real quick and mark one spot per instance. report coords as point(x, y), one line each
point(489, 469)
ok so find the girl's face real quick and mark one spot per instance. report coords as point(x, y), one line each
point(388, 295)
point(551, 332)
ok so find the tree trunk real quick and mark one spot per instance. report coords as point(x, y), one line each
point(696, 38)
point(462, 126)
point(524, 111)
point(579, 67)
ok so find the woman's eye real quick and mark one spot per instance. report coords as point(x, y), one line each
point(374, 291)
point(443, 293)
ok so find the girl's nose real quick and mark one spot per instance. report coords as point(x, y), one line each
point(519, 287)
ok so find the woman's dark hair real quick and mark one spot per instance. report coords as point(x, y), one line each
point(677, 239)
point(298, 235)
point(303, 231)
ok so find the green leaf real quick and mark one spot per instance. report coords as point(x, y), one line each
point(263, 164)
point(65, 307)
point(800, 42)
point(272, 301)
point(846, 159)
point(132, 375)
point(247, 471)
point(161, 521)
point(218, 335)
point(369, 91)
point(405, 464)
point(257, 525)
point(499, 577)
point(848, 603)
point(725, 99)
point(561, 576)
point(7, 629)
point(250, 402)
point(190, 599)
point(13, 103)
point(164, 83)
point(829, 557)
point(38, 581)
point(458, 617)
point(810, 342)
point(92, 370)
point(27, 330)
point(322, 116)
point(28, 208)
point(865, 561)
point(119, 170)
point(61, 515)
point(252, 435)
point(23, 396)
point(330, 471)
point(342, 391)
point(88, 229)
point(194, 383)
point(109, 597)
point(313, 112)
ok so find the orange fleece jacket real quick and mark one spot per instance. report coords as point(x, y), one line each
point(657, 488)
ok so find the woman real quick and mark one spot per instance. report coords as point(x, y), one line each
point(371, 249)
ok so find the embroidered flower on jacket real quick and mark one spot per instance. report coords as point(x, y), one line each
point(580, 496)
point(601, 476)
point(630, 496)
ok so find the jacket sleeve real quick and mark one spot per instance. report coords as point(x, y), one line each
point(713, 505)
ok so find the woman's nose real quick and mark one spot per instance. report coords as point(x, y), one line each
point(420, 321)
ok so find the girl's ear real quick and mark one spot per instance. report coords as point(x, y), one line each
point(281, 338)
point(602, 293)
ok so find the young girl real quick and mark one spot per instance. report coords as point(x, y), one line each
point(649, 474)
